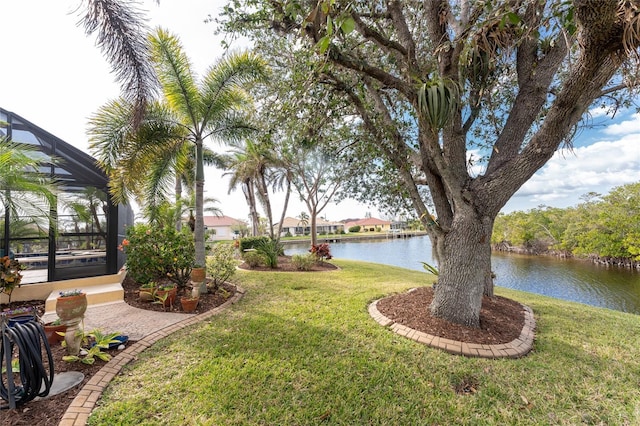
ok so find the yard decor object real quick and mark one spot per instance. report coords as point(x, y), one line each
point(198, 274)
point(70, 307)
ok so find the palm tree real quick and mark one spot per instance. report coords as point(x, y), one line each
point(212, 107)
point(304, 219)
point(241, 174)
point(24, 190)
point(158, 145)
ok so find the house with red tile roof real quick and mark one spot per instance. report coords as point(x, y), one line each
point(369, 224)
point(223, 227)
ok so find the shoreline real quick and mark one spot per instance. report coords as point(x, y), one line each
point(341, 238)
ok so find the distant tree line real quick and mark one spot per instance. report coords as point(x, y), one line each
point(605, 229)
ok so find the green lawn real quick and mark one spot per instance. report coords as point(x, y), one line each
point(301, 349)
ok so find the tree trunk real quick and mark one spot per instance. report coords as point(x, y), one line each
point(261, 185)
point(249, 195)
point(464, 254)
point(178, 190)
point(199, 228)
point(284, 210)
point(314, 234)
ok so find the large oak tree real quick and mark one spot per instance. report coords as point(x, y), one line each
point(431, 80)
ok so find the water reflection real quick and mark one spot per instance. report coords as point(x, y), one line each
point(583, 282)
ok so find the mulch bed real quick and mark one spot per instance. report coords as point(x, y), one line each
point(285, 265)
point(501, 319)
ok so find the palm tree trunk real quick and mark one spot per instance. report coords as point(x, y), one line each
point(249, 195)
point(178, 197)
point(266, 202)
point(199, 227)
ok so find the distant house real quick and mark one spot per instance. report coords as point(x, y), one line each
point(224, 227)
point(295, 226)
point(370, 224)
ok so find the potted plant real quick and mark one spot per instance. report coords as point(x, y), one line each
point(10, 276)
point(19, 315)
point(166, 294)
point(190, 301)
point(53, 329)
point(147, 291)
point(71, 304)
point(198, 273)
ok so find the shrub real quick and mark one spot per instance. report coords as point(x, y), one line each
point(248, 243)
point(221, 265)
point(303, 262)
point(253, 259)
point(354, 228)
point(270, 250)
point(154, 253)
point(321, 252)
point(288, 234)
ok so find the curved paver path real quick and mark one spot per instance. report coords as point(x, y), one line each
point(514, 349)
point(149, 326)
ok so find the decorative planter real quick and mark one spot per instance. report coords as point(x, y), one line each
point(51, 331)
point(70, 307)
point(168, 301)
point(189, 304)
point(198, 275)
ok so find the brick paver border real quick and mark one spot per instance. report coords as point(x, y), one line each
point(78, 412)
point(514, 349)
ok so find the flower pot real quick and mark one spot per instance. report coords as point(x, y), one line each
point(51, 331)
point(189, 304)
point(146, 294)
point(70, 307)
point(198, 275)
point(20, 319)
point(171, 296)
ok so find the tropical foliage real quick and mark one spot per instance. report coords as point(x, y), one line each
point(24, 191)
point(155, 253)
point(607, 226)
point(221, 265)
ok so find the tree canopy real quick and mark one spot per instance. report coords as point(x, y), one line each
point(460, 100)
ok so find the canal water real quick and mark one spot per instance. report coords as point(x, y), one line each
point(574, 280)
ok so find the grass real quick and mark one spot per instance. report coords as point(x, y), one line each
point(301, 349)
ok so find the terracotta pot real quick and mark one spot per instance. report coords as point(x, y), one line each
point(160, 294)
point(189, 304)
point(71, 307)
point(51, 331)
point(198, 275)
point(146, 294)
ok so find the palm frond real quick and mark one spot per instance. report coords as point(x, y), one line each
point(175, 75)
point(121, 33)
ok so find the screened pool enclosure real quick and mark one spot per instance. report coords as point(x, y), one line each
point(79, 236)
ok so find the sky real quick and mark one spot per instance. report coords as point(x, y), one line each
point(56, 78)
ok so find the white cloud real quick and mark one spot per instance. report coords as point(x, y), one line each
point(625, 127)
point(570, 174)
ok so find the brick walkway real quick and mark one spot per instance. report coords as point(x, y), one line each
point(514, 349)
point(149, 332)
